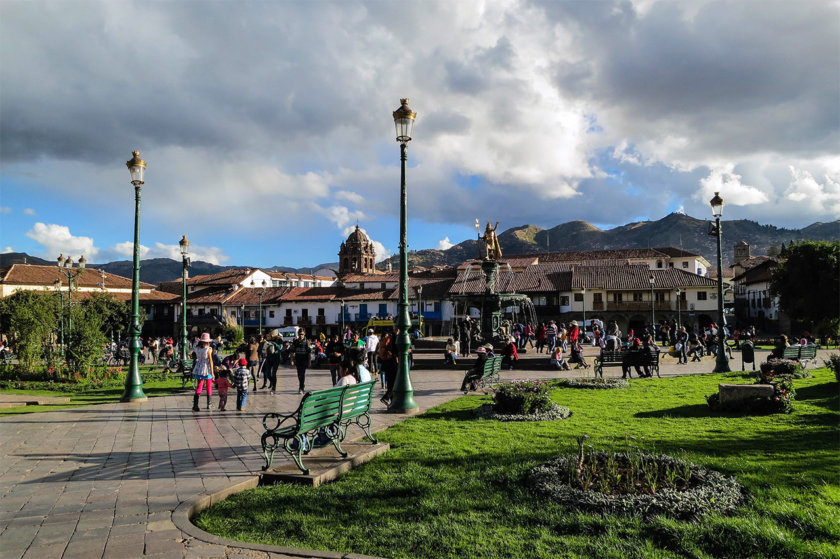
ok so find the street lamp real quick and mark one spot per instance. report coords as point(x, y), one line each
point(652, 280)
point(679, 303)
point(261, 293)
point(57, 285)
point(133, 383)
point(65, 266)
point(403, 394)
point(420, 307)
point(184, 245)
point(583, 302)
point(341, 307)
point(722, 363)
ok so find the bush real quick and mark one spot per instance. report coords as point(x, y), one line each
point(833, 363)
point(609, 382)
point(522, 397)
point(780, 402)
point(778, 368)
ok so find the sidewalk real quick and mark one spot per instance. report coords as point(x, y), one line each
point(103, 481)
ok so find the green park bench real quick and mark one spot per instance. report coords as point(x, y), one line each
point(185, 368)
point(328, 412)
point(616, 358)
point(801, 354)
point(490, 375)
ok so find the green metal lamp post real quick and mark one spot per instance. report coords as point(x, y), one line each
point(652, 281)
point(260, 295)
point(403, 395)
point(133, 383)
point(583, 303)
point(341, 306)
point(721, 362)
point(184, 245)
point(66, 269)
point(420, 308)
point(61, 314)
point(679, 302)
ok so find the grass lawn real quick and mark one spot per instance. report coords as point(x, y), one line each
point(451, 486)
point(93, 396)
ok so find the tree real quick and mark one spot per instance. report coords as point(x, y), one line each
point(807, 283)
point(115, 314)
point(30, 318)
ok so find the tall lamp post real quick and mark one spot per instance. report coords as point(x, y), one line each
point(420, 307)
point(679, 303)
point(721, 363)
point(260, 295)
point(583, 302)
point(133, 383)
point(403, 395)
point(61, 314)
point(652, 280)
point(341, 306)
point(184, 245)
point(67, 270)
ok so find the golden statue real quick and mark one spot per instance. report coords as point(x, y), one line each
point(492, 250)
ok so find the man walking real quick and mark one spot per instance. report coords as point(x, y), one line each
point(301, 358)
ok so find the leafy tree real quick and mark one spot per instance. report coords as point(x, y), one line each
point(807, 282)
point(86, 343)
point(30, 318)
point(115, 314)
point(233, 334)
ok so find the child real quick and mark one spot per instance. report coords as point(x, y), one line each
point(222, 384)
point(241, 379)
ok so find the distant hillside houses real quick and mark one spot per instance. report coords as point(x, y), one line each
point(628, 286)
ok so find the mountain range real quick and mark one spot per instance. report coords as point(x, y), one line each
point(675, 230)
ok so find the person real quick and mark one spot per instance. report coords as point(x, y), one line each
point(476, 372)
point(242, 379)
point(649, 350)
point(253, 352)
point(450, 353)
point(630, 358)
point(563, 335)
point(371, 345)
point(301, 358)
point(557, 359)
point(466, 337)
point(223, 385)
point(681, 346)
point(335, 351)
point(355, 353)
point(509, 354)
point(574, 333)
point(270, 365)
point(527, 335)
point(577, 355)
point(695, 348)
point(203, 370)
point(346, 378)
point(388, 365)
point(551, 336)
point(780, 345)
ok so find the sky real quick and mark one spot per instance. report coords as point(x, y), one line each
point(268, 133)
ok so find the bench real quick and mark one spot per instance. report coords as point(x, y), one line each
point(490, 375)
point(615, 358)
point(801, 354)
point(185, 368)
point(328, 412)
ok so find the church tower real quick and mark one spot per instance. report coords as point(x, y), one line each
point(357, 255)
point(742, 252)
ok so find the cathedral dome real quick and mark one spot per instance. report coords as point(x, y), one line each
point(357, 254)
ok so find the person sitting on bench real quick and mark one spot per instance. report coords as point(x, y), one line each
point(475, 372)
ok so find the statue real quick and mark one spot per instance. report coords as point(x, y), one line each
point(492, 250)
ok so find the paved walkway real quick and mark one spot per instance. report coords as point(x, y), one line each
point(103, 481)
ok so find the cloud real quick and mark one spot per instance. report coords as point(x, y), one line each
point(29, 211)
point(445, 244)
point(5, 210)
point(813, 195)
point(724, 180)
point(125, 250)
point(8, 249)
point(57, 239)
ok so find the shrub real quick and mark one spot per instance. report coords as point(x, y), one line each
point(776, 368)
point(522, 397)
point(780, 402)
point(634, 482)
point(833, 363)
point(609, 382)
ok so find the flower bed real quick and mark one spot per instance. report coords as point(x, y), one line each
point(635, 483)
point(610, 382)
point(776, 368)
point(523, 400)
point(553, 412)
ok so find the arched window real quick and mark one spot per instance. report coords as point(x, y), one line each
point(345, 264)
point(658, 263)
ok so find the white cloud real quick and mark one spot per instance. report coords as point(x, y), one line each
point(5, 210)
point(8, 249)
point(724, 180)
point(444, 244)
point(813, 195)
point(381, 252)
point(29, 211)
point(125, 250)
point(57, 239)
point(353, 197)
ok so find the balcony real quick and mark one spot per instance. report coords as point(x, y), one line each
point(362, 316)
point(320, 320)
point(304, 321)
point(288, 321)
point(642, 306)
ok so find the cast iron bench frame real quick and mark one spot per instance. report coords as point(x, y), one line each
point(615, 358)
point(329, 412)
point(185, 367)
point(489, 376)
point(801, 354)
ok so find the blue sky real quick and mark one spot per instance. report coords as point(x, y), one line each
point(268, 133)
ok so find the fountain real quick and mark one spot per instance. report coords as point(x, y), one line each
point(487, 285)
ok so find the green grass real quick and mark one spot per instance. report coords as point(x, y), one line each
point(451, 486)
point(93, 396)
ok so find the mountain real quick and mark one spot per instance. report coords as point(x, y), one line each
point(675, 230)
point(10, 258)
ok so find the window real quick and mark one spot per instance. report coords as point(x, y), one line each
point(701, 295)
point(213, 312)
point(685, 265)
point(165, 311)
point(658, 263)
point(638, 297)
point(660, 297)
point(670, 264)
point(289, 313)
point(539, 301)
point(200, 312)
point(578, 297)
point(597, 297)
point(618, 297)
point(564, 300)
point(270, 314)
point(320, 312)
point(382, 285)
point(304, 313)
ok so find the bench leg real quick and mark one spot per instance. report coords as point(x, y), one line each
point(268, 448)
point(297, 454)
point(364, 423)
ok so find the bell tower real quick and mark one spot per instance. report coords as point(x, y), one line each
point(357, 254)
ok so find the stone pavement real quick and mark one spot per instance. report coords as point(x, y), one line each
point(103, 481)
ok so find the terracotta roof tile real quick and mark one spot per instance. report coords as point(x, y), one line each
point(30, 274)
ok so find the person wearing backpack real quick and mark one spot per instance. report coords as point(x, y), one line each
point(272, 362)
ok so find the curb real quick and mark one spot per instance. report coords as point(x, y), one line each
point(183, 514)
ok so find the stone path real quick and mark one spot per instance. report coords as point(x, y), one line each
point(103, 481)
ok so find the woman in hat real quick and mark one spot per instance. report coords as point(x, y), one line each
point(476, 372)
point(203, 370)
